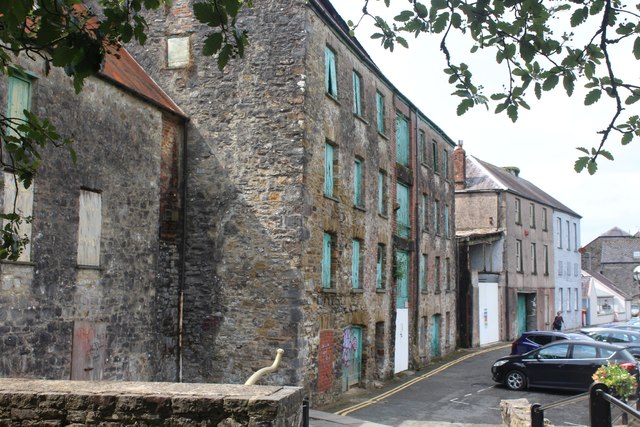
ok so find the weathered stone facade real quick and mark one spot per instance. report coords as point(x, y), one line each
point(61, 319)
point(257, 213)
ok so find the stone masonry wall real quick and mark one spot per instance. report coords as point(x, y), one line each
point(242, 290)
point(100, 320)
point(72, 403)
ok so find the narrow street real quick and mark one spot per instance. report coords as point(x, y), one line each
point(458, 392)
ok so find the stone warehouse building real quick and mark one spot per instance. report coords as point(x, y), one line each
point(296, 200)
point(89, 297)
point(319, 205)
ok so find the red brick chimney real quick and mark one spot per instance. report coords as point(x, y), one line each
point(459, 166)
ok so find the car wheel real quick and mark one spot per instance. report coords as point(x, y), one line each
point(515, 380)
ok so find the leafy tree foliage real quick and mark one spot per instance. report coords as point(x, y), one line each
point(544, 45)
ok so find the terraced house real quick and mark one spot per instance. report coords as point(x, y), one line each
point(319, 207)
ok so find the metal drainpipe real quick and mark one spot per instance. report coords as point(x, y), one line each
point(183, 244)
point(418, 230)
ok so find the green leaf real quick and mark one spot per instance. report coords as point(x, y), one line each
point(626, 138)
point(439, 4)
point(456, 20)
point(581, 163)
point(568, 82)
point(592, 167)
point(584, 150)
point(441, 22)
point(404, 16)
point(636, 48)
point(592, 97)
point(527, 51)
point(512, 112)
point(464, 106)
point(206, 13)
point(589, 69)
point(421, 10)
point(401, 41)
point(607, 155)
point(212, 44)
point(550, 82)
point(632, 99)
point(537, 89)
point(501, 107)
point(579, 16)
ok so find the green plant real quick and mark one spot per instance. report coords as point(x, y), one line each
point(618, 379)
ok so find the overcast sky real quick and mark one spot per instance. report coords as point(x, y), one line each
point(542, 143)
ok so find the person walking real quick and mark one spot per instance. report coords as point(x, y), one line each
point(558, 322)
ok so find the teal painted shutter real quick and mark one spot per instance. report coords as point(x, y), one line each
point(422, 266)
point(357, 182)
point(446, 221)
point(379, 267)
point(402, 281)
point(326, 261)
point(328, 170)
point(434, 146)
point(381, 199)
point(423, 212)
point(357, 100)
point(19, 99)
point(436, 229)
point(355, 264)
point(403, 218)
point(380, 111)
point(435, 335)
point(402, 140)
point(445, 164)
point(330, 83)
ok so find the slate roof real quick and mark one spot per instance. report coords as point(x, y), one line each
point(125, 72)
point(608, 283)
point(615, 232)
point(483, 176)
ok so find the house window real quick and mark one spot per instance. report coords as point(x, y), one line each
point(19, 100)
point(178, 52)
point(403, 217)
point(544, 219)
point(423, 272)
point(436, 213)
point(330, 75)
point(89, 228)
point(577, 305)
point(22, 204)
point(436, 274)
point(434, 154)
point(545, 257)
point(423, 148)
point(559, 233)
point(357, 94)
point(560, 268)
point(382, 193)
point(447, 274)
point(355, 263)
point(445, 164)
point(604, 305)
point(357, 183)
point(568, 236)
point(518, 212)
point(380, 113)
point(568, 299)
point(576, 269)
point(561, 293)
point(402, 140)
point(327, 260)
point(575, 237)
point(519, 256)
point(329, 169)
point(532, 215)
point(423, 212)
point(534, 260)
point(381, 266)
point(447, 231)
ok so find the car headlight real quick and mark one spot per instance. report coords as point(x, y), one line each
point(499, 363)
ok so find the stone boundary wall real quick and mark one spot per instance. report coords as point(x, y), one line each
point(111, 404)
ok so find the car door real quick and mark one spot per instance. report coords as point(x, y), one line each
point(544, 366)
point(583, 362)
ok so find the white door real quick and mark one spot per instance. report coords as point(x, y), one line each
point(489, 319)
point(401, 359)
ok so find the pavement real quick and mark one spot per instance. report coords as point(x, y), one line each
point(327, 416)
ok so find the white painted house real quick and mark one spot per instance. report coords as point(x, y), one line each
point(567, 258)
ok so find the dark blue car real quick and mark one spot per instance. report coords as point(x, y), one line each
point(531, 340)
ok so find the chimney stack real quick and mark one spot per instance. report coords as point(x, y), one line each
point(459, 167)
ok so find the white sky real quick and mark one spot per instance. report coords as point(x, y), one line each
point(541, 143)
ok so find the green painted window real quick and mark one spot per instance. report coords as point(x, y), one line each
point(445, 164)
point(403, 218)
point(357, 94)
point(328, 169)
point(436, 274)
point(447, 274)
point(423, 271)
point(380, 112)
point(436, 219)
point(402, 140)
point(423, 147)
point(355, 264)
point(447, 228)
point(382, 193)
point(19, 100)
point(330, 75)
point(381, 266)
point(327, 247)
point(434, 154)
point(423, 212)
point(357, 183)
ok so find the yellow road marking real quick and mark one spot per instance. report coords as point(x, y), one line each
point(401, 387)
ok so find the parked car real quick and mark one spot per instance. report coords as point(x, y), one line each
point(566, 364)
point(531, 340)
point(612, 335)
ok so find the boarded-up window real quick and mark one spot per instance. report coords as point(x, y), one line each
point(403, 217)
point(89, 228)
point(178, 52)
point(22, 204)
point(355, 264)
point(357, 183)
point(327, 255)
point(328, 170)
point(330, 74)
point(402, 140)
point(380, 112)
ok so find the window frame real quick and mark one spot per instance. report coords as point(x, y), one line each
point(358, 182)
point(518, 211)
point(356, 263)
point(381, 261)
point(519, 261)
point(330, 72)
point(383, 194)
point(358, 105)
point(328, 255)
point(380, 113)
point(329, 169)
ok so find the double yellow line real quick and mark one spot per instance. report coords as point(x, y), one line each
point(401, 387)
